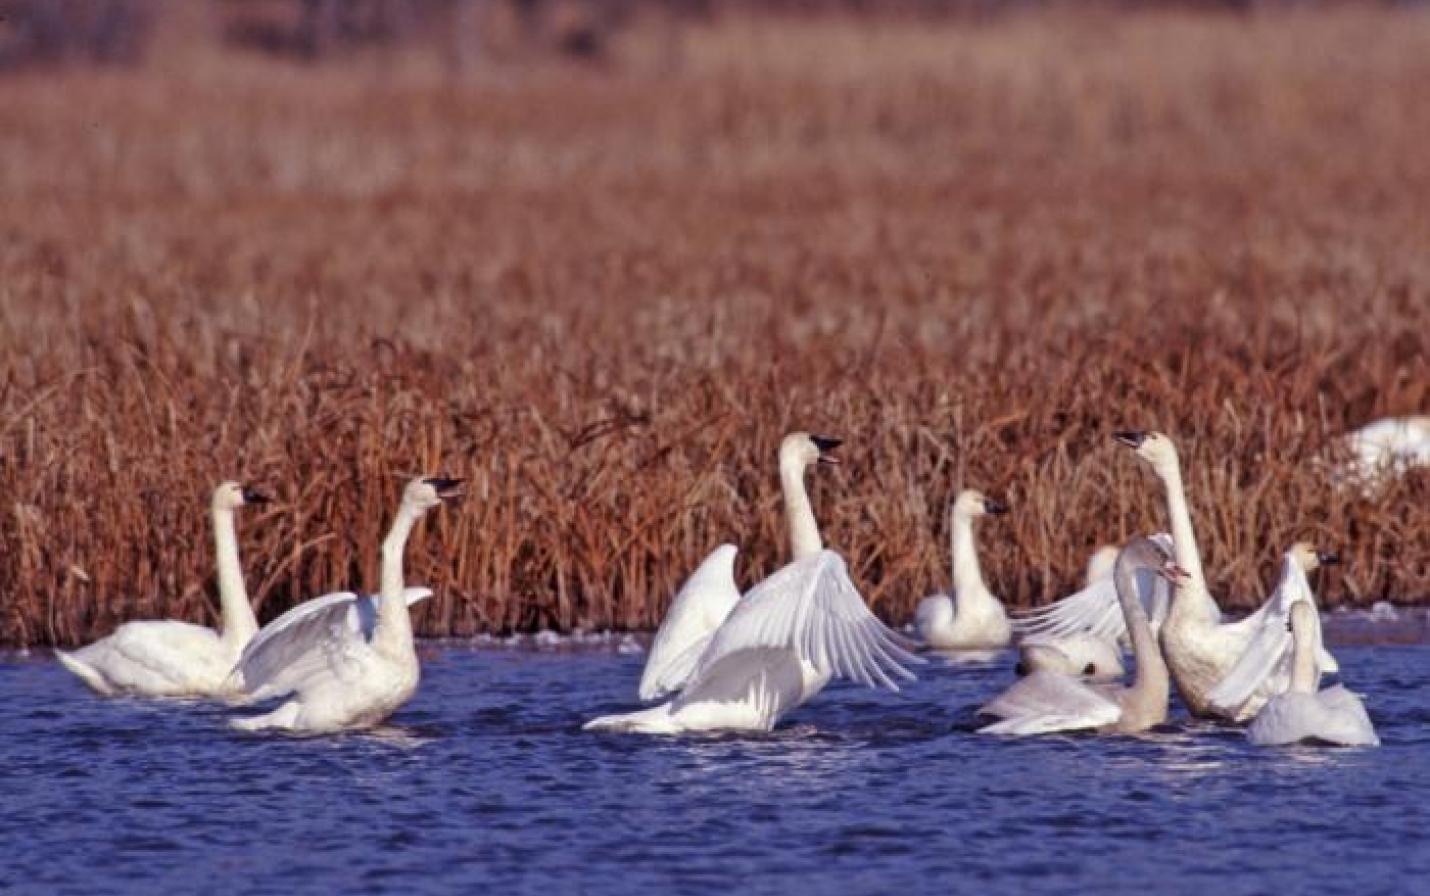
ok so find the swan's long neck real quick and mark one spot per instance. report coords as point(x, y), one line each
point(236, 614)
point(804, 540)
point(1304, 677)
point(394, 622)
point(1150, 685)
point(1193, 590)
point(967, 574)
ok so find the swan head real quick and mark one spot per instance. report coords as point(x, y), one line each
point(233, 495)
point(424, 493)
point(1144, 553)
point(799, 450)
point(972, 503)
point(1153, 447)
point(1310, 559)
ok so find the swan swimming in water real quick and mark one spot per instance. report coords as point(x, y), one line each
point(1199, 647)
point(779, 645)
point(972, 618)
point(346, 663)
point(1385, 448)
point(1302, 713)
point(180, 659)
point(1045, 702)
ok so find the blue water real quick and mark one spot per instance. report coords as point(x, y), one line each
point(484, 783)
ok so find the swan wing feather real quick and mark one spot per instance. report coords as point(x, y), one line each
point(700, 607)
point(1045, 701)
point(1095, 608)
point(812, 608)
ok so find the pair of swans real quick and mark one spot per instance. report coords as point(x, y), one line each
point(972, 618)
point(180, 659)
point(741, 663)
point(347, 661)
point(1047, 701)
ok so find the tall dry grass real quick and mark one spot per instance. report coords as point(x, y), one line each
point(970, 250)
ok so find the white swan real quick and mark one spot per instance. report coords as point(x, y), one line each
point(346, 664)
point(1265, 665)
point(179, 659)
point(1045, 701)
point(1302, 713)
point(1200, 649)
point(783, 641)
point(1386, 448)
point(972, 619)
point(1083, 634)
point(1100, 564)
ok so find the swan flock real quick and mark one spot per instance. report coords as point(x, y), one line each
point(725, 659)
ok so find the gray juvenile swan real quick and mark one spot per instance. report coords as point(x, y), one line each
point(1046, 702)
point(180, 659)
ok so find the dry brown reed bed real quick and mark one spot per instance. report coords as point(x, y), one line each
point(971, 251)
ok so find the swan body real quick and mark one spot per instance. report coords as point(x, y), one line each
point(782, 642)
point(1302, 713)
point(699, 609)
point(1082, 634)
point(1387, 447)
point(1201, 649)
point(1046, 702)
point(179, 659)
point(972, 618)
point(344, 662)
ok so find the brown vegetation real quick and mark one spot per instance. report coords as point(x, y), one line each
point(971, 251)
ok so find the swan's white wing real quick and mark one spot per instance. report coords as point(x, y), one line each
point(1265, 664)
point(699, 609)
point(1045, 702)
point(1095, 608)
point(813, 609)
point(308, 637)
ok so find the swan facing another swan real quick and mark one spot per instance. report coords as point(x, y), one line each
point(345, 663)
point(744, 668)
point(1200, 648)
point(972, 618)
point(1302, 713)
point(1082, 634)
point(180, 659)
point(1046, 702)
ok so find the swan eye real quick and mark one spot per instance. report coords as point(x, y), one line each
point(1089, 669)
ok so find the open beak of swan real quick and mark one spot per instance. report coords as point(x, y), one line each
point(1328, 558)
point(1173, 573)
point(253, 496)
point(826, 445)
point(994, 507)
point(447, 489)
point(1132, 438)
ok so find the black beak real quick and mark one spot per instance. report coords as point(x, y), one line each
point(252, 496)
point(1328, 558)
point(825, 445)
point(1132, 438)
point(447, 489)
point(994, 507)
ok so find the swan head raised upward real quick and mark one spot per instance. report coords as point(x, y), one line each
point(1310, 559)
point(1153, 447)
point(799, 450)
point(233, 495)
point(972, 503)
point(424, 493)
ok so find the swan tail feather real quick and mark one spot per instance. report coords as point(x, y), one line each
point(284, 718)
point(656, 720)
point(85, 672)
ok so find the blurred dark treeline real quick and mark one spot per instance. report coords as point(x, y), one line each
point(117, 32)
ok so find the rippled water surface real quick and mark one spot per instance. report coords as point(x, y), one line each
point(485, 781)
